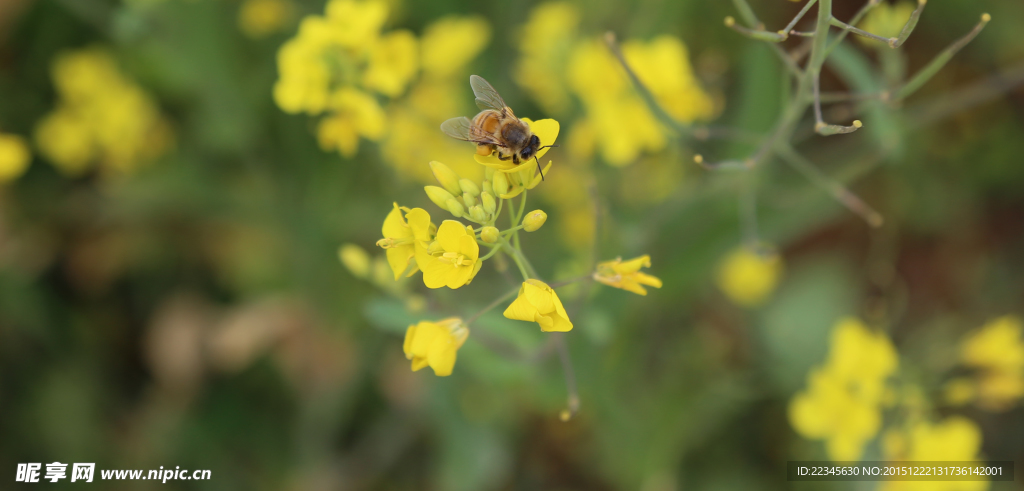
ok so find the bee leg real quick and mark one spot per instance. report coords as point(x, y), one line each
point(501, 157)
point(539, 169)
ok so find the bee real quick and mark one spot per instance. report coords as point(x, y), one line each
point(495, 128)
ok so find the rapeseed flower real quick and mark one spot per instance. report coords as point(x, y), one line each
point(524, 175)
point(394, 60)
point(545, 42)
point(841, 403)
point(626, 274)
point(623, 125)
point(452, 259)
point(748, 277)
point(955, 439)
point(258, 18)
point(355, 113)
point(406, 238)
point(538, 302)
point(996, 352)
point(435, 344)
point(101, 116)
point(450, 43)
point(14, 157)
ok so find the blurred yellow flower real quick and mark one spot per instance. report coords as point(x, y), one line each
point(538, 302)
point(14, 157)
point(748, 277)
point(954, 439)
point(841, 403)
point(544, 45)
point(355, 113)
point(435, 344)
point(406, 238)
point(996, 351)
point(258, 18)
point(886, 20)
point(452, 260)
point(623, 125)
point(101, 115)
point(626, 274)
point(450, 43)
point(355, 259)
point(394, 61)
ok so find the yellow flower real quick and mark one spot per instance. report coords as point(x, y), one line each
point(355, 259)
point(454, 262)
point(841, 403)
point(621, 122)
point(14, 157)
point(451, 42)
point(101, 115)
point(257, 18)
point(404, 240)
point(356, 24)
point(749, 277)
point(996, 350)
point(544, 45)
point(954, 439)
point(356, 114)
point(394, 61)
point(885, 20)
point(626, 274)
point(435, 344)
point(538, 302)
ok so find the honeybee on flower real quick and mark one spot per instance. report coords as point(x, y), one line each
point(496, 129)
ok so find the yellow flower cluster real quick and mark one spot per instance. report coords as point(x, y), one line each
point(450, 255)
point(340, 64)
point(748, 276)
point(555, 61)
point(335, 61)
point(954, 439)
point(996, 353)
point(14, 157)
point(101, 116)
point(841, 403)
point(258, 18)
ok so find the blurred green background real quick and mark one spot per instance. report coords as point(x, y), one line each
point(187, 307)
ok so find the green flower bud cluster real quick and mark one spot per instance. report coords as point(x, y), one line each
point(462, 197)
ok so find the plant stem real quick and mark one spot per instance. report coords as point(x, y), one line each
point(500, 300)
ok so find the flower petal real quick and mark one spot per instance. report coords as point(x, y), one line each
point(468, 247)
point(398, 258)
point(448, 235)
point(435, 275)
point(442, 355)
point(394, 225)
point(419, 223)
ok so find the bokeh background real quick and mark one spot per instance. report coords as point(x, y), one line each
point(172, 291)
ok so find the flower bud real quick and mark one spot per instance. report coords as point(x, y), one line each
point(490, 205)
point(534, 220)
point(499, 183)
point(477, 213)
point(439, 196)
point(488, 173)
point(446, 177)
point(469, 187)
point(468, 199)
point(455, 208)
point(434, 248)
point(489, 235)
point(356, 259)
point(486, 187)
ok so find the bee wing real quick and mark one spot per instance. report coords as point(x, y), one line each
point(487, 97)
point(463, 129)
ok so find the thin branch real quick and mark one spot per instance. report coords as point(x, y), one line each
point(502, 299)
point(940, 60)
point(835, 188)
point(572, 398)
point(789, 27)
point(856, 19)
point(908, 28)
point(861, 32)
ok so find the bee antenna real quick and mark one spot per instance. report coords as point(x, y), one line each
point(547, 146)
point(539, 169)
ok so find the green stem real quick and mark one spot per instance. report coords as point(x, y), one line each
point(494, 250)
point(500, 300)
point(514, 254)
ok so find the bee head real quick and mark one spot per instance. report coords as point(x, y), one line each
point(531, 148)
